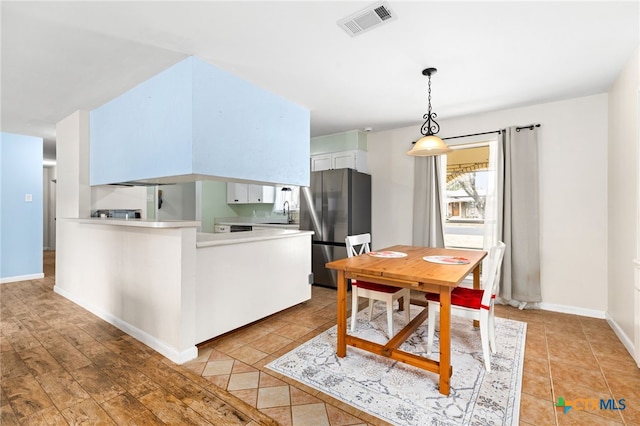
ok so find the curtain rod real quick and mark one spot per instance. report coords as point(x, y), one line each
point(474, 134)
point(530, 127)
point(466, 136)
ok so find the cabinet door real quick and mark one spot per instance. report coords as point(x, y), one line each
point(321, 162)
point(268, 194)
point(344, 160)
point(236, 193)
point(256, 194)
point(260, 194)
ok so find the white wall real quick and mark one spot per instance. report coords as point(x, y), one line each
point(573, 193)
point(73, 193)
point(623, 202)
point(178, 202)
point(49, 208)
point(140, 279)
point(391, 186)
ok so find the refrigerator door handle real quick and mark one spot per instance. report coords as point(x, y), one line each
point(315, 220)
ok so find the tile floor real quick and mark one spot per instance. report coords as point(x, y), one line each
point(61, 365)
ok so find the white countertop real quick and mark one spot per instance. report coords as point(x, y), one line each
point(140, 223)
point(204, 239)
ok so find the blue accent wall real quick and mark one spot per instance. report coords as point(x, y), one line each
point(194, 118)
point(244, 132)
point(21, 222)
point(146, 132)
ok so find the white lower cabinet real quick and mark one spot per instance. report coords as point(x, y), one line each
point(243, 193)
point(239, 283)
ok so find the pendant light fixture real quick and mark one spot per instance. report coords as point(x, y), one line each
point(429, 144)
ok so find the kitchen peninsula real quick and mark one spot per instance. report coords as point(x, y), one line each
point(158, 280)
point(171, 287)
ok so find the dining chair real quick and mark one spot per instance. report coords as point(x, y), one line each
point(474, 304)
point(359, 245)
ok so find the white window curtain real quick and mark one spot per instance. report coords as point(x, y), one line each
point(517, 216)
point(428, 191)
point(494, 199)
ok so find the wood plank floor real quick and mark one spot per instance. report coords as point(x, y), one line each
point(59, 364)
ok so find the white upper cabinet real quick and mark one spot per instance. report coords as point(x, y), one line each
point(237, 193)
point(346, 150)
point(321, 162)
point(243, 193)
point(354, 159)
point(261, 194)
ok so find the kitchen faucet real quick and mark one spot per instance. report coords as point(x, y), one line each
point(285, 210)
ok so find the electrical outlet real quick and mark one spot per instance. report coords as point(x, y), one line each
point(28, 198)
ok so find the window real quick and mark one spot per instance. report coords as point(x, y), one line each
point(292, 197)
point(467, 183)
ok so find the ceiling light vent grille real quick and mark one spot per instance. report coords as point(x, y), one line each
point(367, 19)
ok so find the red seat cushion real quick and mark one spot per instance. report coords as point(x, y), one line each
point(375, 287)
point(461, 296)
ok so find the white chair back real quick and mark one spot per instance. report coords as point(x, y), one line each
point(358, 244)
point(491, 284)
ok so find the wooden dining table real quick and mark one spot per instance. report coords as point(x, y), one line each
point(413, 272)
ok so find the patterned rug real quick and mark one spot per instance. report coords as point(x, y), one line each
point(405, 395)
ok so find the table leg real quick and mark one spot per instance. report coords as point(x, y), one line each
point(445, 339)
point(476, 277)
point(341, 348)
point(476, 285)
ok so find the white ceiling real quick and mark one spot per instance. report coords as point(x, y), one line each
point(58, 57)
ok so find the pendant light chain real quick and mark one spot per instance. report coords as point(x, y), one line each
point(430, 126)
point(429, 97)
point(429, 144)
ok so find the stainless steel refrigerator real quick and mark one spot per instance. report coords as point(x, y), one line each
point(335, 205)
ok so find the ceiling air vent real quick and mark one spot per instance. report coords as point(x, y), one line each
point(367, 19)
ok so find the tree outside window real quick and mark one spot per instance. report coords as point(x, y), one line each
point(466, 189)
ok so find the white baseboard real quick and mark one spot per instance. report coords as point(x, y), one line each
point(626, 341)
point(21, 278)
point(592, 313)
point(565, 309)
point(142, 336)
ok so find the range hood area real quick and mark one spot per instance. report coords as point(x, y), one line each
point(135, 183)
point(194, 122)
point(167, 180)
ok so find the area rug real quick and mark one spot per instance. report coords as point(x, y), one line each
point(405, 395)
